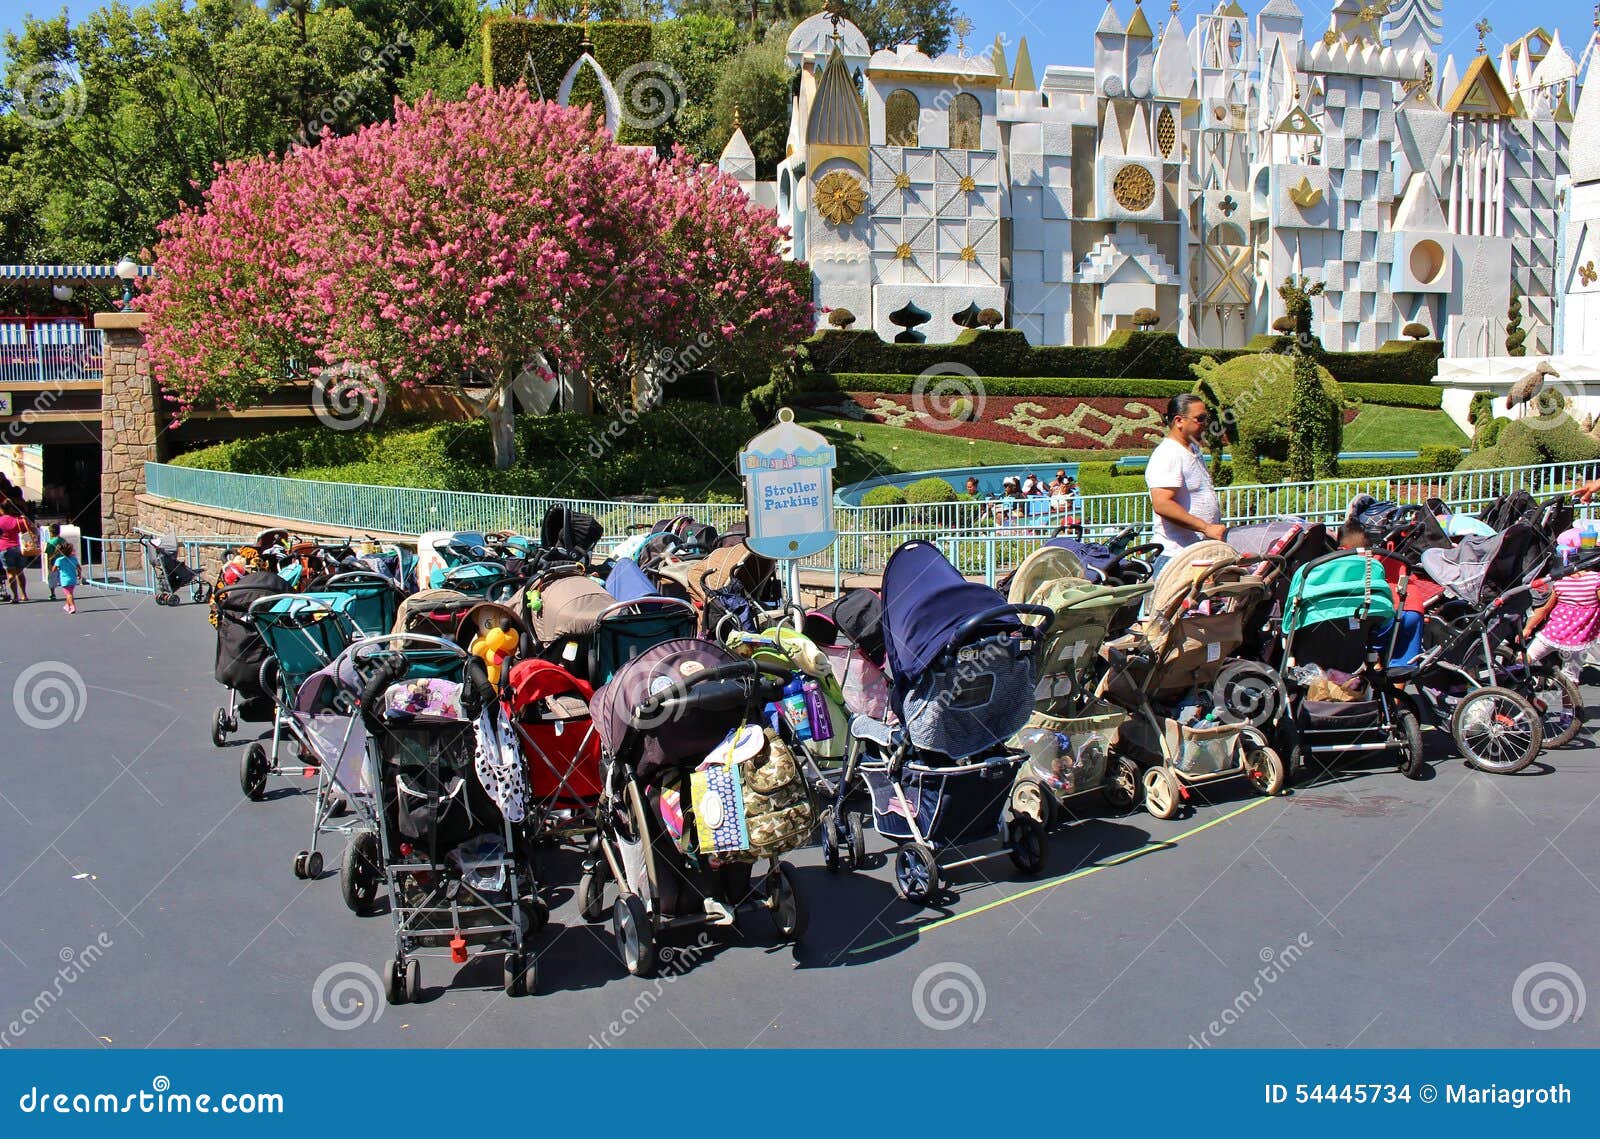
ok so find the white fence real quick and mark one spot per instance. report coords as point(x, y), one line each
point(50, 353)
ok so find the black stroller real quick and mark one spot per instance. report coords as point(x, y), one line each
point(242, 652)
point(165, 558)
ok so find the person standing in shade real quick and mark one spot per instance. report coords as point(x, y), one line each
point(1181, 491)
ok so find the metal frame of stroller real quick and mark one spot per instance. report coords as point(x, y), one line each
point(566, 813)
point(156, 554)
point(442, 892)
point(375, 599)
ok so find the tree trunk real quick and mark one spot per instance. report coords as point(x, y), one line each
point(501, 412)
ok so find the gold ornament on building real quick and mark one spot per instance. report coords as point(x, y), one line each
point(1134, 188)
point(1304, 194)
point(902, 181)
point(840, 198)
point(967, 184)
point(1166, 132)
point(969, 253)
point(902, 252)
point(1588, 274)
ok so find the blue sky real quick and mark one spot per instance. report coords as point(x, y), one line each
point(1058, 31)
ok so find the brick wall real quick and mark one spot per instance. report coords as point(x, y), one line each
point(130, 428)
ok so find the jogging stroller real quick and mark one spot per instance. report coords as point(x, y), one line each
point(1070, 734)
point(165, 558)
point(304, 633)
point(1169, 674)
point(241, 652)
point(450, 843)
point(1473, 674)
point(964, 664)
point(1340, 624)
point(693, 793)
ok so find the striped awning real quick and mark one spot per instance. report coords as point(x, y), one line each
point(51, 274)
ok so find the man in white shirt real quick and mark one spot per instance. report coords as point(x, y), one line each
point(1181, 492)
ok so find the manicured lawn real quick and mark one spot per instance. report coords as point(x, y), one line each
point(1401, 429)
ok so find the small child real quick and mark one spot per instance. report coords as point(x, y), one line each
point(1353, 536)
point(1568, 623)
point(52, 551)
point(65, 571)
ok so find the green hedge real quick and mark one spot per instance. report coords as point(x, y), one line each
point(890, 384)
point(1156, 355)
point(542, 53)
point(930, 490)
point(884, 496)
point(1397, 395)
point(561, 455)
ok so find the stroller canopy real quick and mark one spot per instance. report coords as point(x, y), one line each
point(925, 602)
point(569, 607)
point(1340, 588)
point(570, 530)
point(627, 582)
point(1045, 565)
point(1480, 567)
point(676, 740)
point(857, 616)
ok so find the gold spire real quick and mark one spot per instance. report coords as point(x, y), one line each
point(1483, 28)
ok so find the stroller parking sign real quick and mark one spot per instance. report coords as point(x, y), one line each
point(788, 481)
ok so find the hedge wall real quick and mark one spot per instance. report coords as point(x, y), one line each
point(999, 385)
point(541, 52)
point(1153, 355)
point(1397, 395)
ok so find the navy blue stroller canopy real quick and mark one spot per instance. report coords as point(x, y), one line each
point(925, 603)
point(627, 582)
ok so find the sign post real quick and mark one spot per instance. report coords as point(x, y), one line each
point(788, 494)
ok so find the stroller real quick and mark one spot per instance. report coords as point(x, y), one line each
point(693, 794)
point(1164, 674)
point(304, 633)
point(1070, 734)
point(449, 842)
point(549, 708)
point(964, 663)
point(172, 573)
point(1121, 561)
point(568, 535)
point(434, 613)
point(241, 652)
point(374, 599)
point(1278, 547)
point(1472, 674)
point(1340, 624)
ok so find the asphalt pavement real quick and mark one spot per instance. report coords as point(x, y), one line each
point(144, 901)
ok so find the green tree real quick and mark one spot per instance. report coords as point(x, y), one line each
point(697, 47)
point(755, 83)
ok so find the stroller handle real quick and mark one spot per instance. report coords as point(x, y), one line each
point(737, 670)
point(971, 625)
point(643, 604)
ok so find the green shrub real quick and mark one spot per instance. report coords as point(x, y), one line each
point(930, 490)
point(1253, 397)
point(541, 52)
point(1440, 457)
point(1396, 395)
point(1537, 439)
point(884, 496)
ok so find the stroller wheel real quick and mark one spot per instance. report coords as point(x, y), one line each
point(1497, 730)
point(1412, 763)
point(521, 974)
point(413, 980)
point(359, 872)
point(1029, 843)
point(1031, 798)
point(1161, 794)
point(830, 840)
point(916, 873)
point(219, 728)
point(200, 592)
point(855, 837)
point(1563, 701)
point(788, 907)
point(1123, 785)
point(636, 943)
point(253, 769)
point(1264, 768)
point(535, 914)
point(396, 989)
point(592, 896)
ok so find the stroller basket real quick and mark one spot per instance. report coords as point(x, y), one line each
point(952, 805)
point(1070, 753)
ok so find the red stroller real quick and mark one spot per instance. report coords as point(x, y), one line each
point(550, 708)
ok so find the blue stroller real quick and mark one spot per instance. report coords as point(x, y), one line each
point(964, 666)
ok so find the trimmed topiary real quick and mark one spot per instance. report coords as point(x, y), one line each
point(1146, 318)
point(1416, 331)
point(1252, 405)
point(991, 318)
point(884, 496)
point(930, 490)
point(841, 318)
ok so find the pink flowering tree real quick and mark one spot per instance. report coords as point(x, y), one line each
point(469, 242)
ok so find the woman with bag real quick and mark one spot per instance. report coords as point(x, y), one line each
point(12, 527)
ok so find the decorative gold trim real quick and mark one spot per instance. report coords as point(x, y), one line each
point(902, 181)
point(1304, 194)
point(902, 252)
point(1134, 188)
point(840, 198)
point(967, 184)
point(969, 253)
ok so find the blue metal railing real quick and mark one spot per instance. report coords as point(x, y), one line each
point(50, 353)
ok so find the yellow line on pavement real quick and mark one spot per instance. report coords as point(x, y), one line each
point(1148, 848)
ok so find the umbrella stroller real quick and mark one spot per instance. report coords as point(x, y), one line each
point(241, 652)
point(693, 794)
point(1164, 674)
point(1340, 623)
point(964, 665)
point(374, 599)
point(549, 708)
point(1068, 737)
point(171, 572)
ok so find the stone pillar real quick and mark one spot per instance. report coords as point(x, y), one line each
point(130, 422)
